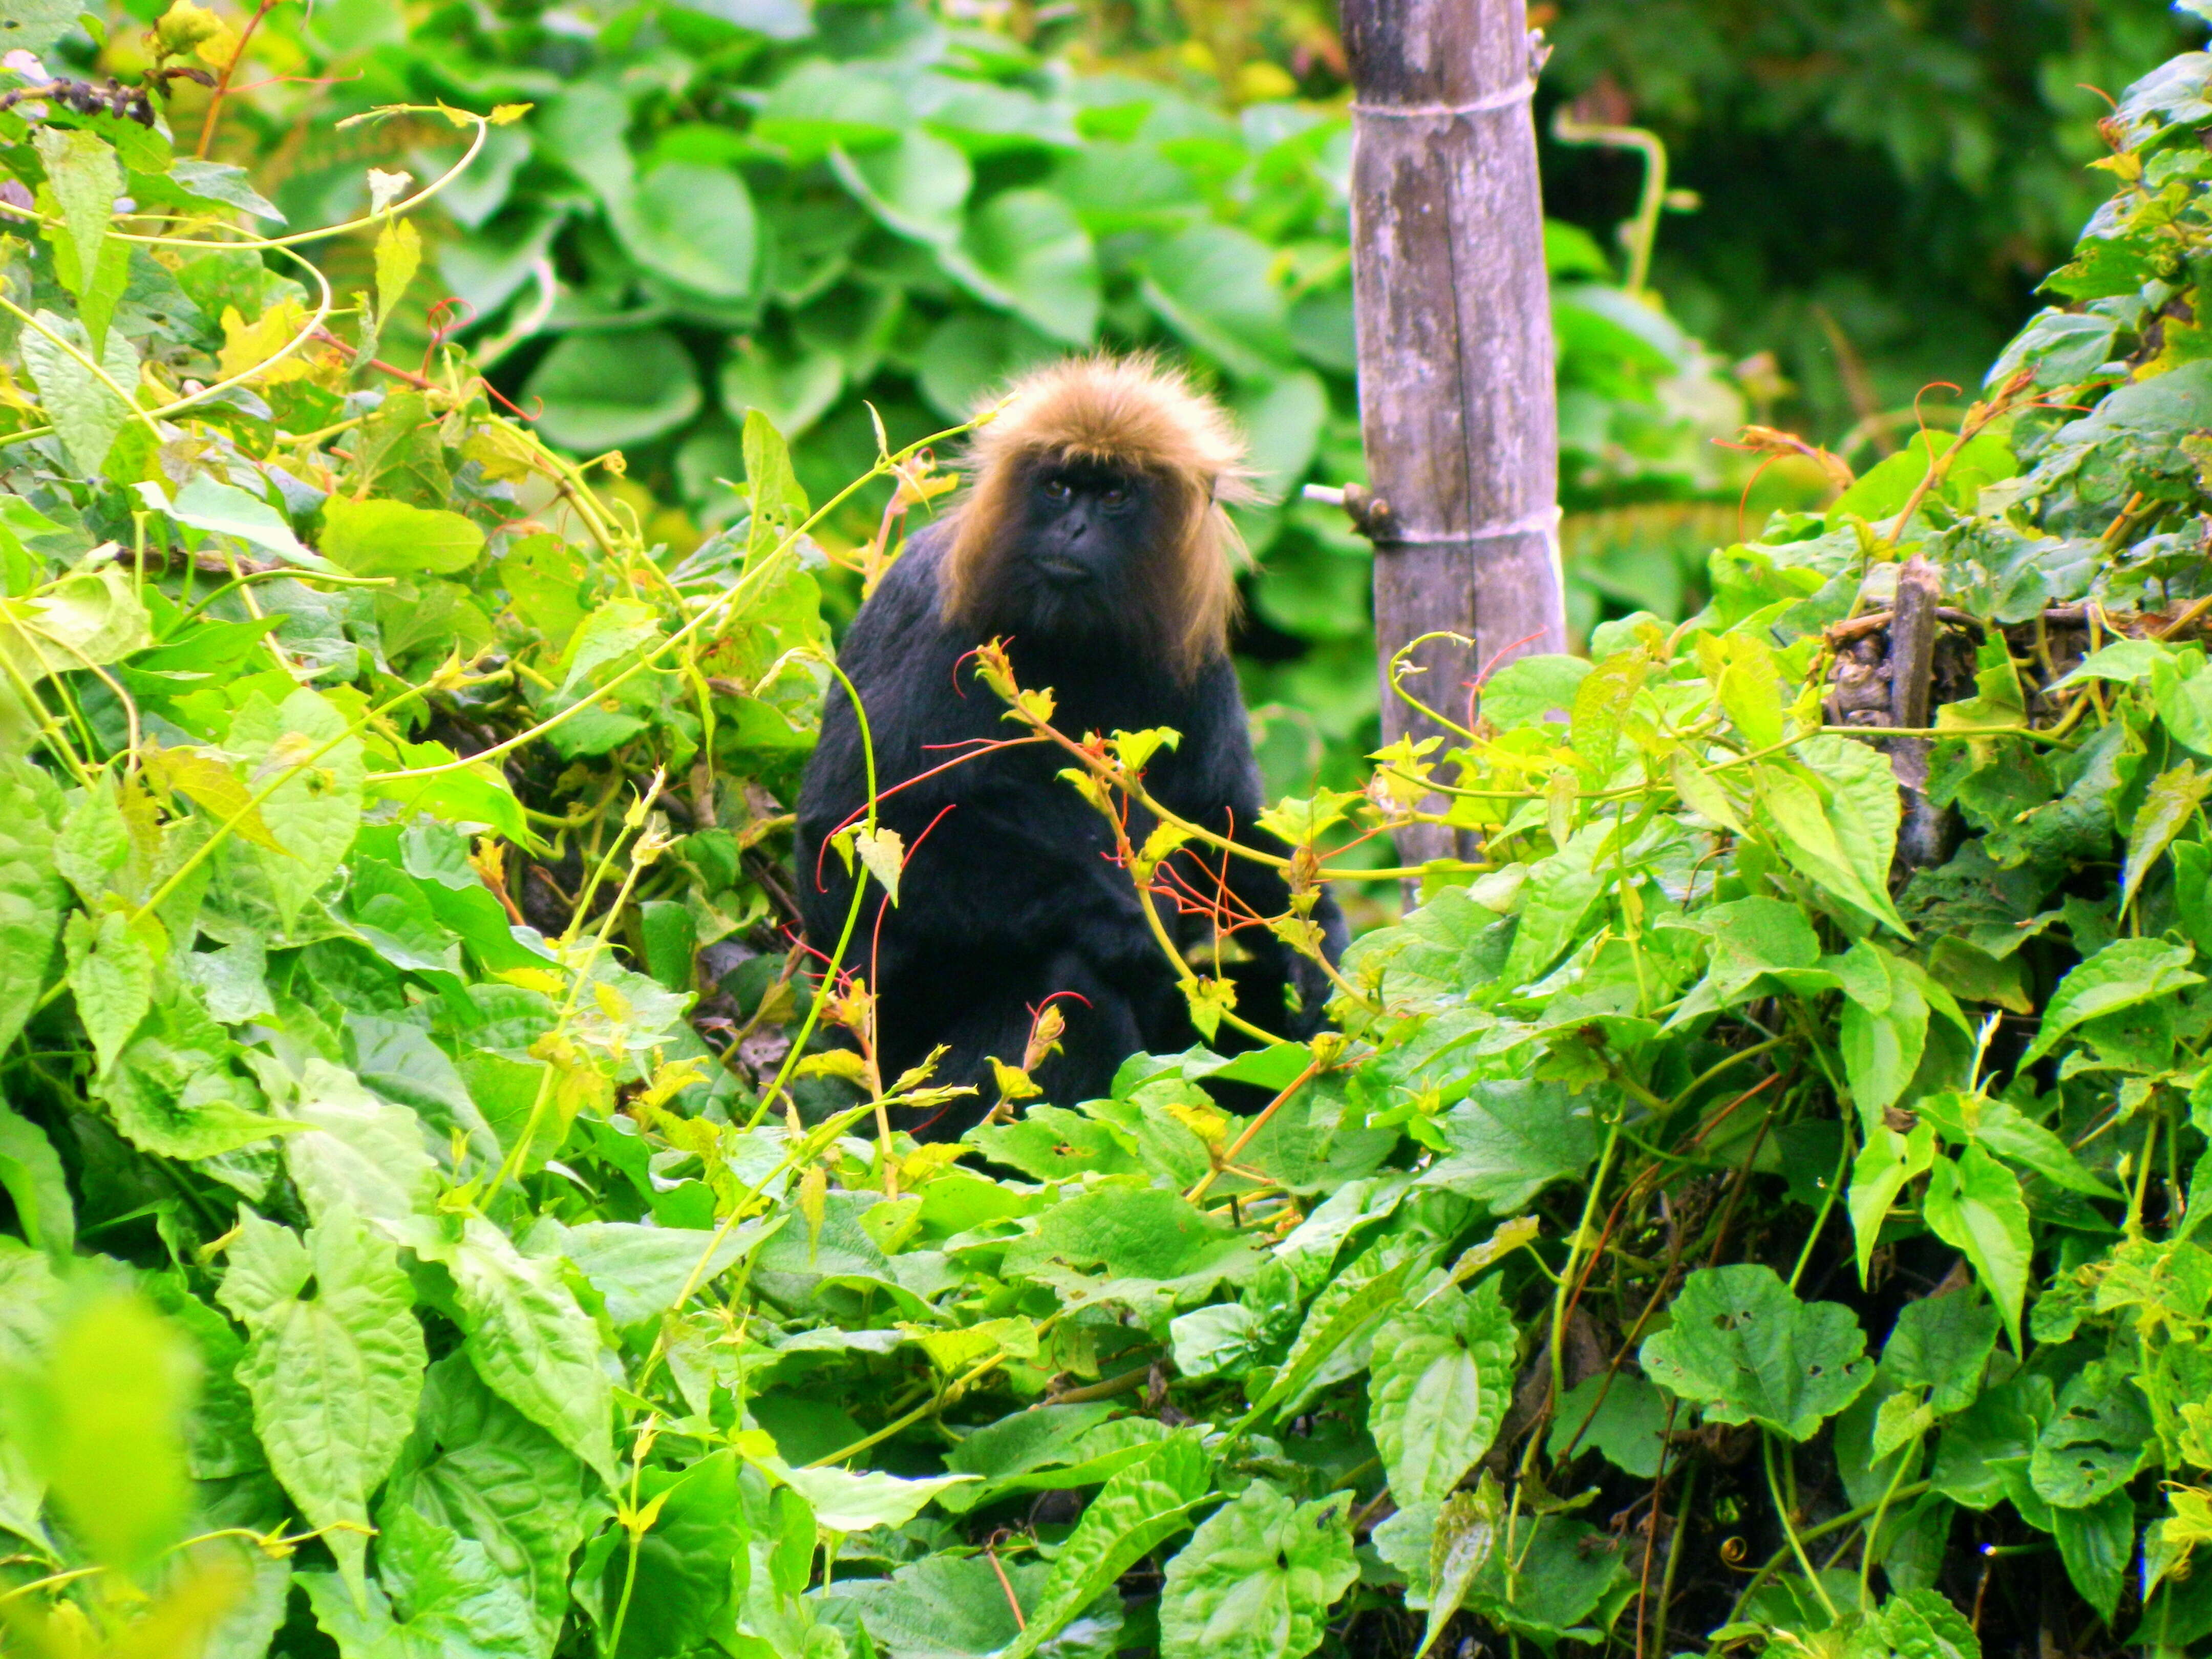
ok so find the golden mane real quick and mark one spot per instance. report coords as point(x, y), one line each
point(1137, 412)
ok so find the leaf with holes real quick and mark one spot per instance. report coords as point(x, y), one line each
point(1257, 1580)
point(1746, 1349)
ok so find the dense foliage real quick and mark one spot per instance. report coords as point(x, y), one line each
point(813, 210)
point(435, 1222)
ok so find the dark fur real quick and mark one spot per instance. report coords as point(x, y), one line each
point(1013, 894)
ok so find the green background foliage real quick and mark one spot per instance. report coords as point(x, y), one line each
point(433, 1217)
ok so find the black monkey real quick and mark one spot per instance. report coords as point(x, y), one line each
point(1093, 542)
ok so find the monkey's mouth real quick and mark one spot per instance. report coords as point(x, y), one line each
point(1064, 571)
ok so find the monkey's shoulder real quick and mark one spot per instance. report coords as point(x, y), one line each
point(902, 624)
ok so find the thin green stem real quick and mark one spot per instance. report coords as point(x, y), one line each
point(1790, 1525)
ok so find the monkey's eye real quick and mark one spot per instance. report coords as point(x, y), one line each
point(1056, 490)
point(1114, 495)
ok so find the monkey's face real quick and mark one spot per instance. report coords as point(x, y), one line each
point(1078, 558)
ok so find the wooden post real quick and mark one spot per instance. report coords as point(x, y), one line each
point(1456, 401)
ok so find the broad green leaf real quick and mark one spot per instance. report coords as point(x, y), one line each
point(440, 1596)
point(220, 181)
point(1145, 1243)
point(1547, 1575)
point(360, 1155)
point(32, 895)
point(1941, 1344)
point(1746, 1349)
point(1558, 895)
point(1838, 825)
point(209, 779)
point(532, 1343)
point(915, 187)
point(602, 391)
point(691, 225)
point(1880, 1044)
point(2096, 1544)
point(110, 975)
point(476, 1465)
point(691, 1565)
point(34, 25)
point(31, 1175)
point(391, 539)
point(1468, 1531)
point(1025, 251)
point(82, 173)
point(303, 747)
point(794, 390)
point(1442, 1375)
point(2125, 973)
point(178, 1100)
point(2168, 804)
point(1336, 1337)
point(1617, 1413)
point(102, 1421)
point(86, 411)
point(1135, 1512)
point(1257, 1579)
point(1215, 285)
point(1510, 1138)
point(206, 503)
point(642, 1271)
point(1974, 1204)
point(2101, 1435)
point(333, 1363)
point(2000, 1126)
point(945, 1606)
point(1884, 1165)
point(845, 1500)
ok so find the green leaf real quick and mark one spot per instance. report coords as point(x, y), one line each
point(333, 1363)
point(110, 974)
point(642, 1271)
point(360, 1155)
point(31, 1175)
point(1463, 1542)
point(945, 1607)
point(82, 170)
point(85, 410)
point(2099, 1435)
point(2000, 1127)
point(1215, 286)
point(1025, 251)
point(34, 25)
point(391, 539)
point(846, 1500)
point(533, 1344)
point(1442, 1377)
point(1336, 1337)
point(1941, 1344)
point(315, 808)
point(1974, 1204)
point(1838, 825)
point(441, 1597)
point(1257, 1580)
point(692, 225)
point(602, 391)
point(220, 181)
point(1546, 1576)
point(1744, 1348)
point(1135, 1512)
point(1147, 1244)
point(915, 187)
point(1884, 1165)
point(1617, 1413)
point(102, 1421)
point(1510, 1138)
point(205, 503)
point(2172, 800)
point(2125, 973)
point(691, 1565)
point(2096, 1544)
point(1881, 1036)
point(794, 390)
point(32, 893)
point(476, 1465)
